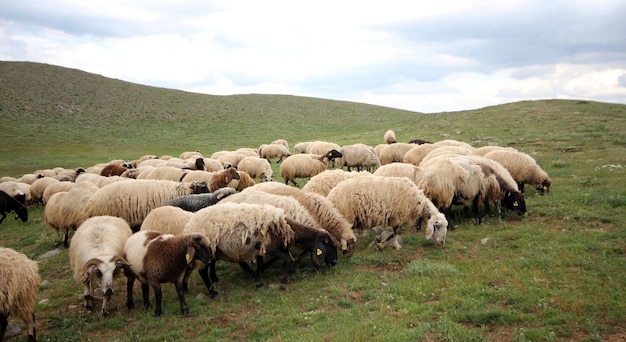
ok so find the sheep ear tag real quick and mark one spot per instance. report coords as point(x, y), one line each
point(190, 253)
point(515, 204)
point(429, 233)
point(318, 252)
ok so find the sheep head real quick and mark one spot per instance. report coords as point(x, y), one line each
point(199, 187)
point(198, 248)
point(544, 187)
point(515, 201)
point(437, 228)
point(332, 154)
point(105, 272)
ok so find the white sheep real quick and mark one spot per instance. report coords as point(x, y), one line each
point(523, 168)
point(447, 151)
point(190, 154)
point(157, 258)
point(18, 290)
point(54, 188)
point(231, 159)
point(416, 154)
point(358, 155)
point(301, 147)
point(239, 232)
point(390, 137)
point(452, 142)
point(132, 200)
point(212, 165)
point(410, 171)
point(274, 151)
point(372, 201)
point(324, 181)
point(166, 219)
point(97, 255)
point(256, 167)
point(305, 165)
point(66, 211)
point(481, 151)
point(170, 173)
point(248, 151)
point(394, 153)
point(321, 147)
point(281, 142)
point(18, 190)
point(27, 178)
point(39, 186)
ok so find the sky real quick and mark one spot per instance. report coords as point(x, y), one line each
point(423, 56)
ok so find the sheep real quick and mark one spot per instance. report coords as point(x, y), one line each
point(416, 154)
point(157, 258)
point(305, 165)
point(481, 151)
point(324, 181)
point(215, 180)
point(309, 234)
point(447, 151)
point(166, 219)
point(17, 190)
point(54, 188)
point(358, 155)
point(394, 153)
point(9, 204)
point(18, 290)
point(321, 147)
point(256, 167)
point(371, 201)
point(196, 202)
point(39, 186)
point(98, 180)
point(190, 154)
point(244, 181)
point(66, 210)
point(248, 152)
point(171, 173)
point(97, 254)
point(212, 165)
point(114, 169)
point(273, 151)
point(322, 209)
point(281, 142)
point(27, 178)
point(523, 168)
point(133, 200)
point(301, 147)
point(45, 173)
point(452, 142)
point(390, 137)
point(231, 159)
point(410, 171)
point(239, 232)
point(418, 141)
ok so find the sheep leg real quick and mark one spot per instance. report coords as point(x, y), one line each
point(257, 274)
point(158, 298)
point(88, 298)
point(287, 259)
point(188, 272)
point(4, 215)
point(204, 274)
point(66, 237)
point(145, 293)
point(181, 297)
point(130, 282)
point(4, 322)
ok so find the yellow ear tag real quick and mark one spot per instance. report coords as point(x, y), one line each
point(343, 248)
point(187, 256)
point(515, 204)
point(319, 252)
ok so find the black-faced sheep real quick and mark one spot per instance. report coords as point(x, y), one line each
point(18, 290)
point(372, 201)
point(196, 202)
point(133, 200)
point(8, 204)
point(324, 181)
point(256, 167)
point(274, 151)
point(305, 165)
point(240, 232)
point(167, 220)
point(158, 258)
point(390, 137)
point(523, 168)
point(394, 153)
point(97, 255)
point(360, 156)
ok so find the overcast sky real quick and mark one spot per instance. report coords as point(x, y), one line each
point(425, 56)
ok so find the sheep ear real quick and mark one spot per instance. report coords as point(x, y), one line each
point(429, 231)
point(190, 254)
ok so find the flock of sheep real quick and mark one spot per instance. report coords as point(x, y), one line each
point(156, 219)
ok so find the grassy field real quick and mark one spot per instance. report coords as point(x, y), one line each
point(558, 273)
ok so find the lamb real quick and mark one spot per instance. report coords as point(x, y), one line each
point(410, 171)
point(371, 201)
point(133, 200)
point(166, 219)
point(97, 254)
point(8, 204)
point(66, 210)
point(239, 232)
point(18, 290)
point(158, 258)
point(523, 168)
point(390, 137)
point(256, 167)
point(394, 153)
point(305, 165)
point(273, 151)
point(322, 209)
point(360, 156)
point(196, 202)
point(324, 181)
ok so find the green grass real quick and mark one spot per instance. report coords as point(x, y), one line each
point(555, 274)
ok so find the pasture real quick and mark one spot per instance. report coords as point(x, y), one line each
point(558, 273)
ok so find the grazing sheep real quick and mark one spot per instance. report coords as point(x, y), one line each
point(113, 170)
point(240, 232)
point(419, 141)
point(244, 181)
point(416, 154)
point(301, 147)
point(231, 159)
point(98, 180)
point(390, 137)
point(371, 201)
point(452, 142)
point(97, 254)
point(215, 180)
point(322, 209)
point(191, 154)
point(523, 168)
point(166, 219)
point(27, 178)
point(409, 171)
point(170, 173)
point(18, 290)
point(133, 200)
point(446, 151)
point(321, 147)
point(157, 258)
point(256, 167)
point(54, 188)
point(281, 142)
point(324, 181)
point(212, 165)
point(394, 153)
point(17, 190)
point(305, 165)
point(66, 210)
point(248, 151)
point(39, 186)
point(481, 151)
point(8, 204)
point(360, 156)
point(196, 202)
point(273, 151)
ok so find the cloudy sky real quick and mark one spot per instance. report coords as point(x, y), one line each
point(425, 56)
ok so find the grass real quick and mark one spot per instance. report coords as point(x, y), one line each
point(557, 273)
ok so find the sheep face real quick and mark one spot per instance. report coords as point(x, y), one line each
point(21, 212)
point(105, 272)
point(544, 187)
point(437, 228)
point(515, 201)
point(199, 187)
point(198, 247)
point(332, 154)
point(347, 247)
point(328, 250)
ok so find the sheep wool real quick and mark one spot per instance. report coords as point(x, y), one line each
point(256, 167)
point(274, 151)
point(523, 168)
point(324, 181)
point(394, 153)
point(409, 171)
point(167, 220)
point(360, 156)
point(390, 137)
point(18, 290)
point(305, 165)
